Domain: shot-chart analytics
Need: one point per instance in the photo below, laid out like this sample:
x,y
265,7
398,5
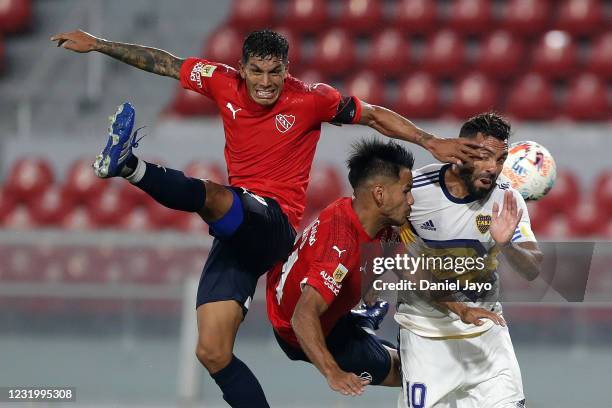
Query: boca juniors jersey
x,y
268,149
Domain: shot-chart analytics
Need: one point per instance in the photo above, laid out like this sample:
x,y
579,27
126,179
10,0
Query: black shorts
x,y
234,264
355,350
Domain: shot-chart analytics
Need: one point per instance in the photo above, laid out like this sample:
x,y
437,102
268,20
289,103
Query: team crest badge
x,y
284,122
207,70
483,222
340,273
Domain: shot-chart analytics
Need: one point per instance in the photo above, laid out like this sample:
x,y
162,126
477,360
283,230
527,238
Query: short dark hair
x,y
489,123
265,44
372,157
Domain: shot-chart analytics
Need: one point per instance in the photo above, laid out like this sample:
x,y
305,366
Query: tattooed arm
x,y
146,58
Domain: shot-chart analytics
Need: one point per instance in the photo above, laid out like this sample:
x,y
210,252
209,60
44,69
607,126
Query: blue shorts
x,y
235,263
355,350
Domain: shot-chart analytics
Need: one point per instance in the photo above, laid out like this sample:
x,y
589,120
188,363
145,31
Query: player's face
x,y
480,176
264,78
398,199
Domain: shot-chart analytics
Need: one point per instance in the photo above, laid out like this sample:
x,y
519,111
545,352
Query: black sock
x,y
172,188
239,386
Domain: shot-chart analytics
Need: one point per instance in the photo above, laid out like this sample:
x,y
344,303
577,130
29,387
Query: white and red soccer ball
x,y
531,169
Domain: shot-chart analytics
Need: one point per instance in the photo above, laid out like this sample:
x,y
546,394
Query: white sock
x,y
138,174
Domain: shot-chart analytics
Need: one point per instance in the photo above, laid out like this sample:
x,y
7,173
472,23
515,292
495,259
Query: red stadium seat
x,y
603,192
564,195
474,94
389,49
471,16
19,218
22,264
335,53
81,218
7,204
311,76
600,57
15,15
139,219
82,185
527,17
539,217
555,55
110,208
224,45
418,96
586,220
307,15
531,98
190,103
501,55
248,15
366,86
361,16
51,207
191,223
581,17
206,171
28,178
325,186
587,99
444,54
415,16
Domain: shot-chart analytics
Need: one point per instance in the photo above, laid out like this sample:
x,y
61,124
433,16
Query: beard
x,y
468,178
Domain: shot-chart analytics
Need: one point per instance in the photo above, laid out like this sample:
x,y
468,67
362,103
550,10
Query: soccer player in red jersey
x,y
272,123
311,295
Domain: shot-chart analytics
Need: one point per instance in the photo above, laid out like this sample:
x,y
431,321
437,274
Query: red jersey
x,y
327,257
268,150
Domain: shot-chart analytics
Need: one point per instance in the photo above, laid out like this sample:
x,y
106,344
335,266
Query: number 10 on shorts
x,y
415,395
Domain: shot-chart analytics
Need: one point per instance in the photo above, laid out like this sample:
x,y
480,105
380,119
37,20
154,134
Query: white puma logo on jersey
x,y
339,251
234,111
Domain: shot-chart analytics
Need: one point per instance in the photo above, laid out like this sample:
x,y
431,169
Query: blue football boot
x,y
120,142
370,317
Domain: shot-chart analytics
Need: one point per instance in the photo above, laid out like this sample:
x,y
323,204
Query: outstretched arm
x,y
306,324
394,125
146,58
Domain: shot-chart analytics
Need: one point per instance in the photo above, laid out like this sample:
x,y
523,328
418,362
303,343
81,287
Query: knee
x,y
213,357
218,201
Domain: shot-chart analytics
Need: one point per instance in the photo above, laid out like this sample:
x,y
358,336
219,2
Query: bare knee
x,y
213,356
218,201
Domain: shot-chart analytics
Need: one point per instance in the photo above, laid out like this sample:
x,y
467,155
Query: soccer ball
x,y
531,169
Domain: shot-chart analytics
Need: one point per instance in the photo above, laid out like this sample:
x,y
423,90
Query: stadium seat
x,y
585,220
587,99
190,223
7,204
224,45
139,219
526,17
603,192
82,185
600,57
81,218
311,76
501,54
366,86
415,16
28,178
22,264
206,171
51,207
15,15
539,218
531,98
471,16
308,16
190,103
325,186
19,218
335,53
361,16
475,93
295,51
132,195
389,49
248,15
555,55
444,54
564,195
418,96
110,209
157,216
580,17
